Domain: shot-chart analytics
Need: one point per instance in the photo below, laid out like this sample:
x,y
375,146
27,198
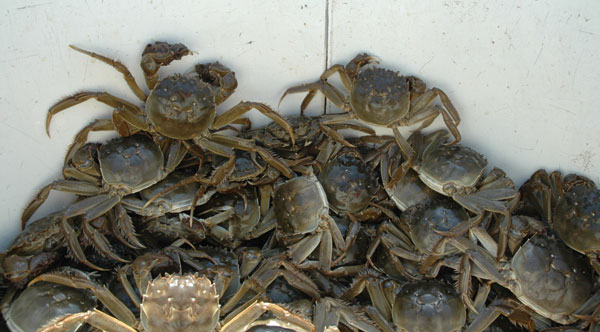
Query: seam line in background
x,y
328,19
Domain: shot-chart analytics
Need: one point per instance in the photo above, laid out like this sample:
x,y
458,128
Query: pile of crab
x,y
178,226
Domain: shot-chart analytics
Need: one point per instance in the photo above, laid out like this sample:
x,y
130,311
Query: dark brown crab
x,y
543,274
303,222
571,206
124,165
381,97
458,171
43,242
179,107
426,305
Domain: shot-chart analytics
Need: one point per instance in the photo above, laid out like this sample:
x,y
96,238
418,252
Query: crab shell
x,y
380,96
440,214
42,302
300,204
550,278
452,169
130,164
428,306
348,182
182,303
180,107
577,218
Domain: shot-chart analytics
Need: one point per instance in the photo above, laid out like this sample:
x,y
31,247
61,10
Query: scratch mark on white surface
x,y
585,160
425,64
19,58
467,12
33,6
539,54
588,32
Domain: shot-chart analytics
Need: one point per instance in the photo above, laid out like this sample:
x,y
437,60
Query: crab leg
x,y
240,109
72,186
271,269
421,110
80,139
100,242
75,249
245,319
121,68
329,311
129,110
247,145
94,317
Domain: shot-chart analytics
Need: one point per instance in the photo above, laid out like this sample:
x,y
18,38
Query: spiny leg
x,y
240,109
100,242
72,186
129,110
244,320
94,317
248,145
121,68
422,111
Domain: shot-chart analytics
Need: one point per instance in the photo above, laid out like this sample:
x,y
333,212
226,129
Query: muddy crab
x,y
571,207
381,97
179,107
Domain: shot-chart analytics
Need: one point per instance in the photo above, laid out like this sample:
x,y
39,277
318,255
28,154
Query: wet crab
x,y
418,238
179,107
42,302
381,97
43,241
427,305
543,274
301,210
458,172
571,206
126,164
186,302
407,192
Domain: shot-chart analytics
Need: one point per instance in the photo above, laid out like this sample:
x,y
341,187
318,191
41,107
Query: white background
x,y
522,74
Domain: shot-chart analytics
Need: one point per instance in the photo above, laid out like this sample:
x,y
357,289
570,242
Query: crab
x,y
243,223
571,207
179,199
169,302
381,97
127,165
458,172
407,192
426,305
420,239
43,302
544,274
187,302
41,244
179,107
303,223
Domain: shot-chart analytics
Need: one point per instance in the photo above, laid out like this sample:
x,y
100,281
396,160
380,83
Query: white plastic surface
x,y
523,75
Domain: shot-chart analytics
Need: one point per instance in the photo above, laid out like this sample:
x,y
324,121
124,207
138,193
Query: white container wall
x,y
523,75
